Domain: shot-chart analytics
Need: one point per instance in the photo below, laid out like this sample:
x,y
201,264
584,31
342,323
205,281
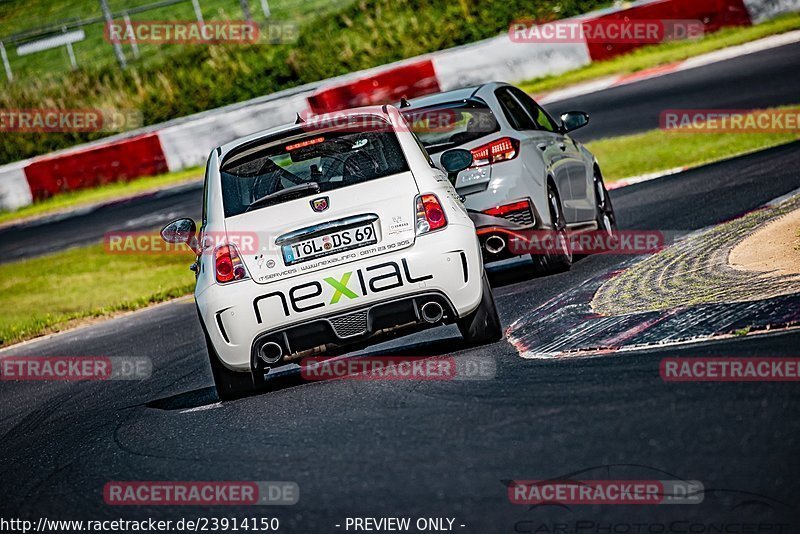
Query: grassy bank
x,y
53,292
663,54
363,34
660,150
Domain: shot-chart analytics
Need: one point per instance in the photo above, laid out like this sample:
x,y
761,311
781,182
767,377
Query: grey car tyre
x,y
559,259
606,219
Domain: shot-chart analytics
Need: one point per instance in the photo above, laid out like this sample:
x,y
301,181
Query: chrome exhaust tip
x,y
494,244
270,352
432,312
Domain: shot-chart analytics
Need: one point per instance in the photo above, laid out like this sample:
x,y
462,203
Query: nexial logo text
x,y
350,285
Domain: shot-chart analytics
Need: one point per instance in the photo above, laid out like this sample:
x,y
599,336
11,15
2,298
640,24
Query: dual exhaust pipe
x,y
271,353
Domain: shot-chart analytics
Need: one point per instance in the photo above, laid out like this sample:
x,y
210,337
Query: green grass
x,y
52,292
107,192
663,54
356,35
17,16
660,150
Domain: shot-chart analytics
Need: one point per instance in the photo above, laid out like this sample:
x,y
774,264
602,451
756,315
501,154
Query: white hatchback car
x,y
322,235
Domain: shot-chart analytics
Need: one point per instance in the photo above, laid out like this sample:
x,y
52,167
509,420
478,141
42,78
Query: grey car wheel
x,y
559,258
606,220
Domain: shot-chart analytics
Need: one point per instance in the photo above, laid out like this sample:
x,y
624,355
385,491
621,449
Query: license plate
x,y
327,244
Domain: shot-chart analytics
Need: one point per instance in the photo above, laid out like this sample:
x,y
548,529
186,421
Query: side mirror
x,y
454,161
572,120
181,231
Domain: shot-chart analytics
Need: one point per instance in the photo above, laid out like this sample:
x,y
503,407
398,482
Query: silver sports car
x,y
527,172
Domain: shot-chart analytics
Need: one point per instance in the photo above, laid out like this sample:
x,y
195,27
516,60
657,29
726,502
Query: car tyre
x,y
606,219
229,384
560,259
482,326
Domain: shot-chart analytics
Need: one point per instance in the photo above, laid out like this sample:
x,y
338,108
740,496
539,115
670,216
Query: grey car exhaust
x,y
494,244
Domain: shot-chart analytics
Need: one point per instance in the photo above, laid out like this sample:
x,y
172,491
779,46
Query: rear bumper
x,y
306,308
496,233
359,326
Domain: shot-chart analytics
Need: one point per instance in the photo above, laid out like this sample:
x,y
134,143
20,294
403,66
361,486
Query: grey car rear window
x,y
451,124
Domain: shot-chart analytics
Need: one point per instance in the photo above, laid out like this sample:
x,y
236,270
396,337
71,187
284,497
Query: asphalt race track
x,y
430,448
762,79
755,81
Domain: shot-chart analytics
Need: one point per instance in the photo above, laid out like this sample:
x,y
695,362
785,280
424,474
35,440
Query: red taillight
x,y
502,149
430,214
505,209
228,264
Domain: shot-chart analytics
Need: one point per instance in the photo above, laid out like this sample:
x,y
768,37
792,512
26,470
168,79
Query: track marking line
x,y
203,408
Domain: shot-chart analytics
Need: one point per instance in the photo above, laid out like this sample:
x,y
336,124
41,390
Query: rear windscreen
x,y
452,124
315,161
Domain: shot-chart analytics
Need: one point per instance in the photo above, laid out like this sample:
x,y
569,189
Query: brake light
x,y
302,144
228,264
430,214
505,209
502,149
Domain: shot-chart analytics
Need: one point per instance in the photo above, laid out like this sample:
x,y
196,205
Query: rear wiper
x,y
266,199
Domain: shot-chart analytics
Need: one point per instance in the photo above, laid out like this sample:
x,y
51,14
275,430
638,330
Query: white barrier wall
x,y
14,189
500,59
761,10
188,144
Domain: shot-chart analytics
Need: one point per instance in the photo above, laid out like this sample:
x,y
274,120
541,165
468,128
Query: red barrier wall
x,y
112,162
409,80
715,14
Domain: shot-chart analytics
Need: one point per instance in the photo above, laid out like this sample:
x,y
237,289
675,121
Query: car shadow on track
x,y
292,377
515,271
